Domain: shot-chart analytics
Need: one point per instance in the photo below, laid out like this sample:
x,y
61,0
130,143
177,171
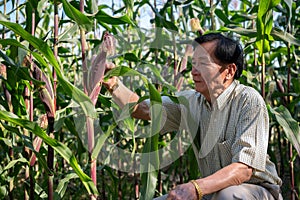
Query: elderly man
x,y
231,139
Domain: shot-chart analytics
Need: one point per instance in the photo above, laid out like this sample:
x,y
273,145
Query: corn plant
x,y
47,50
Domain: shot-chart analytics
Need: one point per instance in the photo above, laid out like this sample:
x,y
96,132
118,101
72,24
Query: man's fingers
x,y
109,65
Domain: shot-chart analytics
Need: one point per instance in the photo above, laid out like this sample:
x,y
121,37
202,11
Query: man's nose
x,y
195,71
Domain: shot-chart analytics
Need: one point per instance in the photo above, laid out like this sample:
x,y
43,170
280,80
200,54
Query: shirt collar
x,y
222,100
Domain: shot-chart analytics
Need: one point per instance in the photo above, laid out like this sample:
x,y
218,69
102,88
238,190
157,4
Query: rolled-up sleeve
x,y
171,115
250,146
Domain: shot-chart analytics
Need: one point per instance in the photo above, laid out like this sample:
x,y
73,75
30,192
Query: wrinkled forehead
x,y
205,51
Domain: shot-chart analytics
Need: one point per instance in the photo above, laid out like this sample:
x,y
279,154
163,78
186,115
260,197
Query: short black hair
x,y
227,50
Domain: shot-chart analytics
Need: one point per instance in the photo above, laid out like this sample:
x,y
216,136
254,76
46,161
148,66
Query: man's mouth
x,y
197,81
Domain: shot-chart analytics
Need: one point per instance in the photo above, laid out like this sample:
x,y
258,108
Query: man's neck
x,y
214,93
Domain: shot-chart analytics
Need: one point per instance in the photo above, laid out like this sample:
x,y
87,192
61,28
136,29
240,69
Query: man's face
x,y
207,75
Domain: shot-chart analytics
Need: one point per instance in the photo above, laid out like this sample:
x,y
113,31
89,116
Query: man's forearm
x,y
122,96
233,174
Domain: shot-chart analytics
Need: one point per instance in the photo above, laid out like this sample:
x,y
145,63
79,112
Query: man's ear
x,y
231,69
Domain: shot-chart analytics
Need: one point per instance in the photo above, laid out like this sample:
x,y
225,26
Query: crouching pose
x,y
231,139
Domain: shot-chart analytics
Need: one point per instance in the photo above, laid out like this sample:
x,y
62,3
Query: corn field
x,y
63,137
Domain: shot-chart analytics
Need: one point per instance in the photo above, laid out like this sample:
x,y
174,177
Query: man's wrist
x,y
114,86
198,189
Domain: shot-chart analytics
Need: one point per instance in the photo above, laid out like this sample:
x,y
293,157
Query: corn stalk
x,y
291,162
89,120
29,107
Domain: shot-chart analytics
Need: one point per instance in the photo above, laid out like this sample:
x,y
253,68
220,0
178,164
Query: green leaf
x,y
32,15
83,100
125,71
100,141
40,191
74,14
289,125
102,17
3,191
150,156
169,25
92,6
222,16
59,147
289,4
131,57
19,71
240,17
263,46
40,7
6,141
13,162
265,6
285,36
62,186
296,84
264,23
69,32
269,23
251,33
16,43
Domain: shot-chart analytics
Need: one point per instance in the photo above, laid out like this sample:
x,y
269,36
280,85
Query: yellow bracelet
x,y
199,192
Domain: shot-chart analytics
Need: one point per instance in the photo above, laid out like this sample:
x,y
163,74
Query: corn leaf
x,y
289,125
74,14
59,147
264,24
150,156
241,31
21,72
102,17
220,13
285,36
62,186
100,141
289,4
83,100
13,162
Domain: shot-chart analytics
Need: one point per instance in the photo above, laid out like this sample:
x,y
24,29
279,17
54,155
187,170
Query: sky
x,y
145,12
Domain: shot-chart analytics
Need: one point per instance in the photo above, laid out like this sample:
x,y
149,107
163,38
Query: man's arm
x,y
233,174
122,96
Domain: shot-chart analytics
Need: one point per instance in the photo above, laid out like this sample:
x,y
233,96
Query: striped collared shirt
x,y
235,128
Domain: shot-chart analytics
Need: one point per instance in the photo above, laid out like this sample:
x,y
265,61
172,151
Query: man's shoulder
x,y
249,94
188,97
188,94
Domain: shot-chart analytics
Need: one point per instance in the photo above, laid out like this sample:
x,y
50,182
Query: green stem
x,y
292,175
11,183
174,47
212,27
263,75
4,13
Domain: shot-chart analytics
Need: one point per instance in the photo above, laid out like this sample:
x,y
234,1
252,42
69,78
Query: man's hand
x,y
112,81
184,191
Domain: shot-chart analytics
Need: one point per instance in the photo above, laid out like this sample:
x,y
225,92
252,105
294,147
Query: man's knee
x,y
227,193
244,191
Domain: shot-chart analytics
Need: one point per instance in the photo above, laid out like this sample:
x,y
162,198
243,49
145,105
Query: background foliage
x,y
43,46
